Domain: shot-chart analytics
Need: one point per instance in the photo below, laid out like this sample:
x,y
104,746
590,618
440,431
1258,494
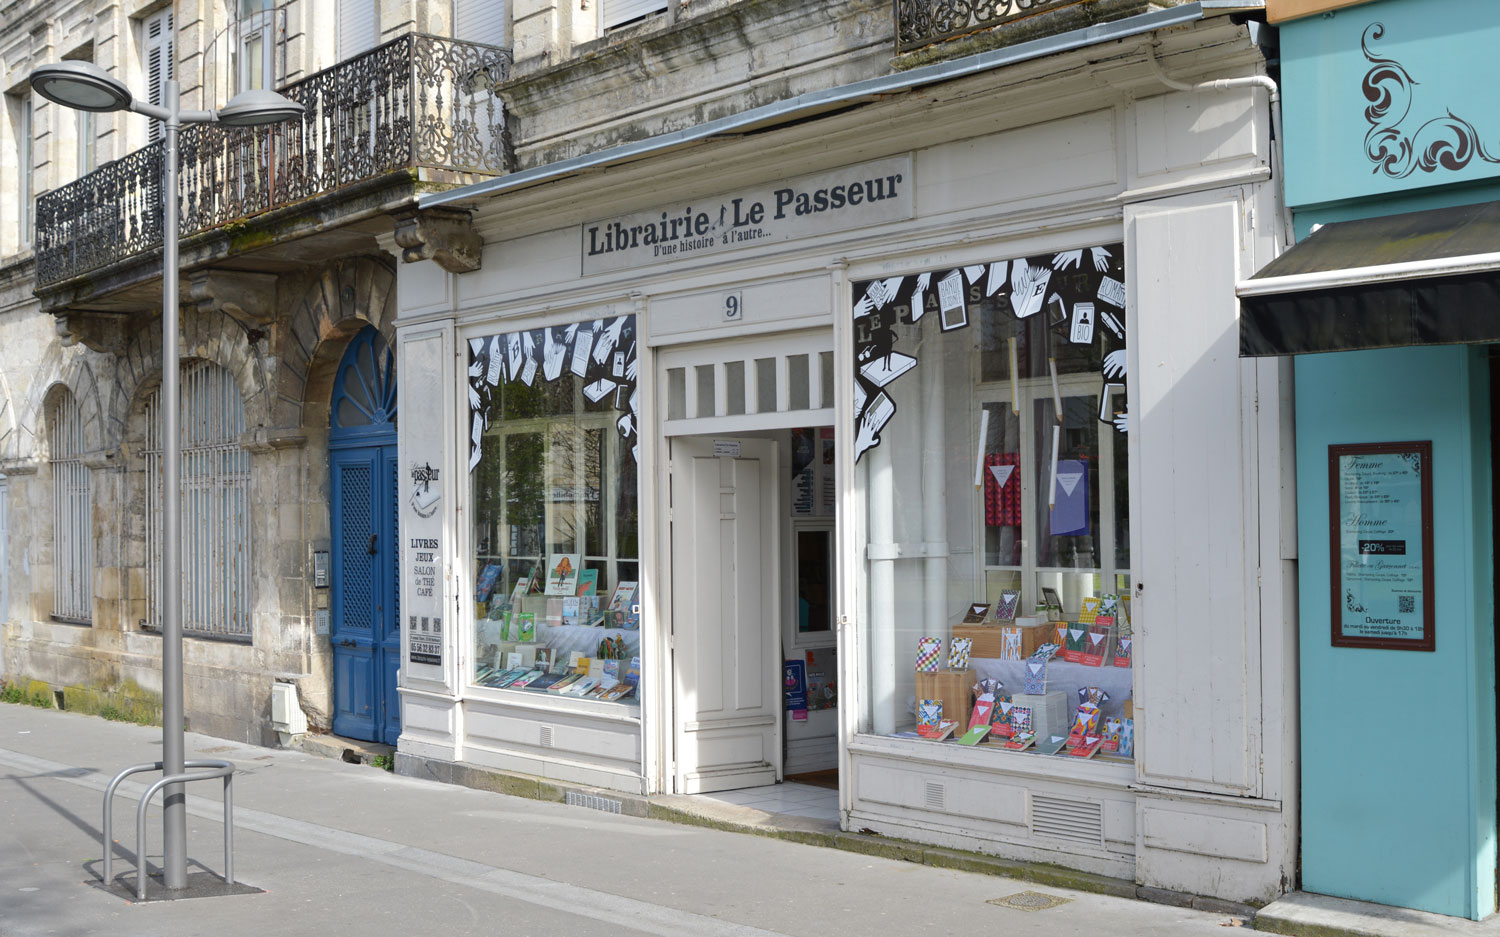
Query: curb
x,y
809,833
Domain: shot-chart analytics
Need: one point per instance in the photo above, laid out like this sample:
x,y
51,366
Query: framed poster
x,y
1380,550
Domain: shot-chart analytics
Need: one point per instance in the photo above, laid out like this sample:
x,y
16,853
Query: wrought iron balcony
x,y
417,102
923,22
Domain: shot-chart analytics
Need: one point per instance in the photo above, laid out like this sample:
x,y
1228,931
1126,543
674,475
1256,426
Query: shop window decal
x,y
600,354
1077,295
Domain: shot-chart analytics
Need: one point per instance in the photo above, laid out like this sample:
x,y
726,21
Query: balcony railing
x,y
923,22
416,102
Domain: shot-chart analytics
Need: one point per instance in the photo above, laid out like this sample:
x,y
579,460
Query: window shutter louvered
x,y
356,27
618,12
160,68
481,21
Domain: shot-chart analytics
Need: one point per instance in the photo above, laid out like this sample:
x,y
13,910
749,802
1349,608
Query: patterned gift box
x,y
930,713
1020,720
1112,730
958,653
1085,722
1010,642
1077,643
929,654
1036,675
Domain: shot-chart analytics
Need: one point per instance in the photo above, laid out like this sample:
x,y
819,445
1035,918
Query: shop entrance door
x,y
725,614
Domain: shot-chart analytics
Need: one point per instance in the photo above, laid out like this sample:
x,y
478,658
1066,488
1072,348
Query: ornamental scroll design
x,y
920,22
416,101
1446,142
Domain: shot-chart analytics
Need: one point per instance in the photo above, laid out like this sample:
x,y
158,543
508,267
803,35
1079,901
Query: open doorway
x,y
809,640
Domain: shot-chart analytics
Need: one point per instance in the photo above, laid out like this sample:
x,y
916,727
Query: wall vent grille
x,y
1076,821
546,736
605,804
937,796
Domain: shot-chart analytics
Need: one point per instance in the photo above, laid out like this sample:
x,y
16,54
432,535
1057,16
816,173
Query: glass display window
x,y
991,429
556,516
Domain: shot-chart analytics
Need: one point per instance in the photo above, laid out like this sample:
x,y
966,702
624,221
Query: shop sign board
x,y
421,480
876,192
1375,107
1380,520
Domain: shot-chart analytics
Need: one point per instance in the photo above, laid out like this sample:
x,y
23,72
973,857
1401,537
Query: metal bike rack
x,y
221,769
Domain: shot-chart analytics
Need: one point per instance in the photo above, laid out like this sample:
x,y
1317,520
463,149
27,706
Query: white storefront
x,y
816,390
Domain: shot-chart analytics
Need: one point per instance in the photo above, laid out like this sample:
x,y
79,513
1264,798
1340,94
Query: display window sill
x,y
1112,774
626,712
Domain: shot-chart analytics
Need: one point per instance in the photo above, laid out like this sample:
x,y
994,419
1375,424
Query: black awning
x,y
1423,278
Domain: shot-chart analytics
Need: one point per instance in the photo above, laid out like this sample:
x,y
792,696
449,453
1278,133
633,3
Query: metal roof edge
x,y
1362,276
828,98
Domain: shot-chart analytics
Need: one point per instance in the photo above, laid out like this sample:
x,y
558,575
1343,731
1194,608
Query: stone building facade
x,y
289,251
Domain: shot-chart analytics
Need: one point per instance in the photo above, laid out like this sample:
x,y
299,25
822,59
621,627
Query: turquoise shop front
x,y
1390,302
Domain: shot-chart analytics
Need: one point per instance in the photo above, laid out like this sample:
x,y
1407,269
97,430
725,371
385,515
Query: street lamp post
x,y
87,87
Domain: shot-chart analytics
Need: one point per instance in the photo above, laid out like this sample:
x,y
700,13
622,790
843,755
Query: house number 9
x,y
734,307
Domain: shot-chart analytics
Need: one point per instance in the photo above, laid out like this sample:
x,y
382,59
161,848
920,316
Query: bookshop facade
x,y
788,465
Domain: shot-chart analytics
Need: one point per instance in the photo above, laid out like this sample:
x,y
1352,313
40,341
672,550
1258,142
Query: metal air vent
x,y
936,798
1076,821
592,802
546,740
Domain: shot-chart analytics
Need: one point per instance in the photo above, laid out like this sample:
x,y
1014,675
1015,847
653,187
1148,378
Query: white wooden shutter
x,y
1193,499
159,49
481,21
616,12
356,27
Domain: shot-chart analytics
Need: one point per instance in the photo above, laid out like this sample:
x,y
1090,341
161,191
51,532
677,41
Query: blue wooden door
x,y
365,611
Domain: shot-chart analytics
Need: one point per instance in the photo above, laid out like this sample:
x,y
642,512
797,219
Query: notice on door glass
x,y
1382,538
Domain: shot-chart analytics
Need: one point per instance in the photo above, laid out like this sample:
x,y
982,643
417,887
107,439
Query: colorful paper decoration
x,y
1092,694
929,654
1010,643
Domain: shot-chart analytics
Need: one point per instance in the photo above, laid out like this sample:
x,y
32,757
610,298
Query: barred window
x,y
215,505
72,513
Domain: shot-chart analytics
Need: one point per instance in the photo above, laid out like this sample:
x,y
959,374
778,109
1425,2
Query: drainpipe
x,y
1227,84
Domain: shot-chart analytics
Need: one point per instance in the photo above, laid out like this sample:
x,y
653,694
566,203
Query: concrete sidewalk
x,y
343,848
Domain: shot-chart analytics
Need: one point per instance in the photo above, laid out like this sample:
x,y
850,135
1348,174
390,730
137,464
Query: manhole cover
x,y
1029,901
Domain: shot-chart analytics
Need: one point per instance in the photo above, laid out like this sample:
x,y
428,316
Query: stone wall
x,y
285,375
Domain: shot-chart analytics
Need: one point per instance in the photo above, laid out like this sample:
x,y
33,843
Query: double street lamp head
x,y
85,86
